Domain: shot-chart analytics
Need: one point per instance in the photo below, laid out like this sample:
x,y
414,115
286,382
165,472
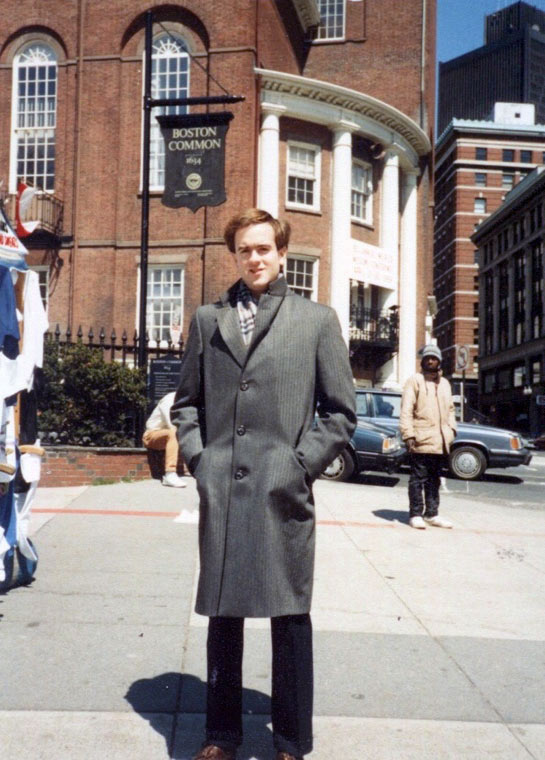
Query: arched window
x,y
34,116
169,79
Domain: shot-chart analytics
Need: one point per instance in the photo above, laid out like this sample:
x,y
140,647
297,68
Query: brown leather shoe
x,y
211,752
286,756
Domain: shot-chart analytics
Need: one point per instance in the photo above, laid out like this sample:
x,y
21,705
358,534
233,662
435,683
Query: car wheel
x,y
341,468
467,462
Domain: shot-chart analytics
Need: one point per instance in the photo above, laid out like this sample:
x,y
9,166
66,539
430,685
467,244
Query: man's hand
x,y
411,443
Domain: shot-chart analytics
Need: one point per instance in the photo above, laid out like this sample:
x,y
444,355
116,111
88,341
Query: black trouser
x,y
292,683
425,474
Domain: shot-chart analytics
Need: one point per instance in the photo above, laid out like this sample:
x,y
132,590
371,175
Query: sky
x,y
460,24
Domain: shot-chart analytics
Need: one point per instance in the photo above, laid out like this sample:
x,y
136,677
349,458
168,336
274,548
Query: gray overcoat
x,y
245,426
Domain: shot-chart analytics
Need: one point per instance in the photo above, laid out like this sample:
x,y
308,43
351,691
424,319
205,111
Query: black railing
x,y
377,329
119,349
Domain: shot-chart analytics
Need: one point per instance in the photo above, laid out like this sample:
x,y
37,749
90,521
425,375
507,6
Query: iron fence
x,y
121,349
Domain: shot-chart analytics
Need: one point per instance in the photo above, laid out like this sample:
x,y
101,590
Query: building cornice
x,y
327,103
307,12
492,128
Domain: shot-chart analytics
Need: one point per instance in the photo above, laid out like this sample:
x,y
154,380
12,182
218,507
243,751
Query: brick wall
x,y
77,466
98,282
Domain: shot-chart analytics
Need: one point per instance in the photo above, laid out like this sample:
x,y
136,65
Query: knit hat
x,y
431,350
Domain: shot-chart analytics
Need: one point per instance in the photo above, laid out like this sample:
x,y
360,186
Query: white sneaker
x,y
438,522
172,479
417,522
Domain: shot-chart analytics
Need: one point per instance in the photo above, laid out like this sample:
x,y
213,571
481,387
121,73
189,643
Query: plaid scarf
x,y
247,309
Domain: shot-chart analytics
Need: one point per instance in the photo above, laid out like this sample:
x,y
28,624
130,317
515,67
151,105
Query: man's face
x,y
430,363
257,258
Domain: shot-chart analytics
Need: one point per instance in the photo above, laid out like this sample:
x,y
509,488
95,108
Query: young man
x,y
257,362
428,427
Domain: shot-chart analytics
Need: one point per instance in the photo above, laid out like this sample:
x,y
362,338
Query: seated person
x,y
160,434
384,409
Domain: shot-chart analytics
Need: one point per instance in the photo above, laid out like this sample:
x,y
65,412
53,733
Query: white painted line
x,y
187,516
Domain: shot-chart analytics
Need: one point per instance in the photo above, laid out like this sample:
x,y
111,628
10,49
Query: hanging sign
x,y
373,265
12,251
462,358
194,159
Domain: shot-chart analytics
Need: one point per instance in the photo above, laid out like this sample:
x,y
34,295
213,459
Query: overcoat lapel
x,y
229,327
266,312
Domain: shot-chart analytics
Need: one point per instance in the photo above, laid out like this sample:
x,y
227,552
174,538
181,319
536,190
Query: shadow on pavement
x,y
487,477
511,480
172,694
392,515
369,479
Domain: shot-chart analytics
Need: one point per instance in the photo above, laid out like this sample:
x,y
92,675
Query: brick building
x,y
509,67
476,164
334,134
511,246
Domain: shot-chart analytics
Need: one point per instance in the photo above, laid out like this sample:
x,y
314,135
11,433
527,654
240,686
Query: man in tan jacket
x,y
428,427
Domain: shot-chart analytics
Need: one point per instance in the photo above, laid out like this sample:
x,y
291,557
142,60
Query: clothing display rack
x,y
23,322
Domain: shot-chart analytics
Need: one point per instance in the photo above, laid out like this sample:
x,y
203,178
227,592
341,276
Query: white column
x,y
389,242
408,279
269,158
341,245
389,217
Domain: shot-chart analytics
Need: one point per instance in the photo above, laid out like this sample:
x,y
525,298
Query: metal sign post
x,y
462,396
144,228
462,360
148,104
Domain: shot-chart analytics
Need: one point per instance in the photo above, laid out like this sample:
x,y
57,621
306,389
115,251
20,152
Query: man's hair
x,y
257,216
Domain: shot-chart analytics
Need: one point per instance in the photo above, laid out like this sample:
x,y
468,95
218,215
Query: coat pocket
x,y
289,493
424,435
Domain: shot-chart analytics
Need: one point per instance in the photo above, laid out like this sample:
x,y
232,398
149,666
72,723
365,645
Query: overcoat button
x,y
239,474
244,386
241,430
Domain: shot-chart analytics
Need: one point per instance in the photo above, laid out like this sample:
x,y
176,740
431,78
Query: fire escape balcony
x,y
372,330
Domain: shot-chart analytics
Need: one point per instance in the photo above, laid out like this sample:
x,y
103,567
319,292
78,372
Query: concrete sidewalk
x,y
428,644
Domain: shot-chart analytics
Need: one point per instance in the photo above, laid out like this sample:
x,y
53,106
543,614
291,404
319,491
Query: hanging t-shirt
x,y
18,375
35,324
9,328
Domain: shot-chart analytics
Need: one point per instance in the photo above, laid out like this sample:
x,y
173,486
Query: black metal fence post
x,y
144,239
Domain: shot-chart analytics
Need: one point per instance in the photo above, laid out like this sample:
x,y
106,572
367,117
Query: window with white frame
x,y
479,205
164,306
34,111
303,176
169,79
332,18
301,276
362,192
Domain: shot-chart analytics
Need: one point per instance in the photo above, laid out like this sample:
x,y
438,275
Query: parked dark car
x,y
372,447
475,448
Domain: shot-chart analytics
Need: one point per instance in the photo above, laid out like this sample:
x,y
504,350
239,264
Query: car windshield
x,y
387,405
